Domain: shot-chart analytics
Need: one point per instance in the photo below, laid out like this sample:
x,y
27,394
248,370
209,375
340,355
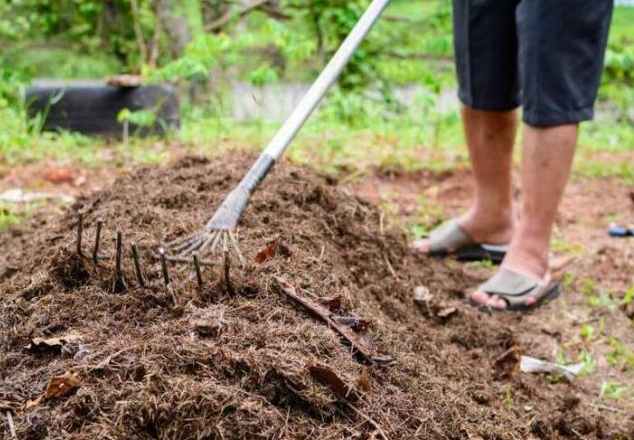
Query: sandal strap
x,y
515,288
449,237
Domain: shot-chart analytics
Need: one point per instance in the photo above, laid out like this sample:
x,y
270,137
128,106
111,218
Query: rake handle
x,y
227,216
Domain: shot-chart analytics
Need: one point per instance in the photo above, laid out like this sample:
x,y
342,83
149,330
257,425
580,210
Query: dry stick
x,y
137,265
95,251
80,232
199,277
119,254
11,426
166,277
226,263
321,313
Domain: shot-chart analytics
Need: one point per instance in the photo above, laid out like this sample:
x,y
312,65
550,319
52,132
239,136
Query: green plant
x,y
620,354
612,390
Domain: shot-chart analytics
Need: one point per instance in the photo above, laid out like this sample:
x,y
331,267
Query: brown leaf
x,y
60,386
507,365
329,378
266,253
59,175
364,381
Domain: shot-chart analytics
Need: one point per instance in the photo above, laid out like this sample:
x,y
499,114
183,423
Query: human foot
x,y
526,258
495,230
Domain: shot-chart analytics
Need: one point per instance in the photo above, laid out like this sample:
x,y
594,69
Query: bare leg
x,y
490,138
546,161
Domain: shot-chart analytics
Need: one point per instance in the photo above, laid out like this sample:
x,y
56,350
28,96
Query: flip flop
x,y
515,288
451,239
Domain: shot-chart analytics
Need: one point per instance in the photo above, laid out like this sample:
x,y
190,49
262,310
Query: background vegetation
x,y
206,47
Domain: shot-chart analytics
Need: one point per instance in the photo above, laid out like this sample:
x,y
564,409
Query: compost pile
x,y
83,356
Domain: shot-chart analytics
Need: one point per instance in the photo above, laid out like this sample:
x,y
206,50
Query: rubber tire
x,y
93,108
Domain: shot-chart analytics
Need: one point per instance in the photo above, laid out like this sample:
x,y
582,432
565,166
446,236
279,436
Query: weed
x,y
594,298
587,332
612,390
8,218
621,355
588,361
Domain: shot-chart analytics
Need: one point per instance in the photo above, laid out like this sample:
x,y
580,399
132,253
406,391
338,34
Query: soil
x,y
241,361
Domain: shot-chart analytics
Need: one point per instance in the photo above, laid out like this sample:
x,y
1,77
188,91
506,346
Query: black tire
x,y
93,108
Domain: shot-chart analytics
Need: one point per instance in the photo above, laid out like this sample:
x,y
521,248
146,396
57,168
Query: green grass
x,y
622,20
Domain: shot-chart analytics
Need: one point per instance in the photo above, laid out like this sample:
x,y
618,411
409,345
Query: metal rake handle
x,y
227,216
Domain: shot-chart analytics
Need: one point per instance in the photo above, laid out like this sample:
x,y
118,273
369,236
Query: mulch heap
x,y
83,357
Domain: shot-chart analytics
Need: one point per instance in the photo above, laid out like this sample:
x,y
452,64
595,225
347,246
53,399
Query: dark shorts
x,y
545,55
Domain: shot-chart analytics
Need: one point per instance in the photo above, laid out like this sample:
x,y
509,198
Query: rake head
x,y
203,245
217,234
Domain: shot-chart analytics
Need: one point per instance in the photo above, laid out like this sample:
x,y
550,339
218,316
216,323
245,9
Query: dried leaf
x,y
507,365
364,381
60,386
533,365
60,175
330,379
266,253
33,403
55,344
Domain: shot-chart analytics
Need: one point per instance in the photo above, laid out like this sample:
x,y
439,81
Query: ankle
x,y
528,255
489,226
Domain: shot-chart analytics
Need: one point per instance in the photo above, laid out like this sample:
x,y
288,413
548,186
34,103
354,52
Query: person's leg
x,y
490,137
485,47
559,82
546,161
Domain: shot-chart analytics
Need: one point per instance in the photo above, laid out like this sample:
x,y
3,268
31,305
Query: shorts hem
x,y
488,106
546,119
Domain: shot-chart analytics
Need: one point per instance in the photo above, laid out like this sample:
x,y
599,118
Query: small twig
x,y
14,436
389,266
607,408
371,421
321,313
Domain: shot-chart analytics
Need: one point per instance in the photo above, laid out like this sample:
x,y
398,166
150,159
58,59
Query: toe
x,y
496,302
480,297
420,246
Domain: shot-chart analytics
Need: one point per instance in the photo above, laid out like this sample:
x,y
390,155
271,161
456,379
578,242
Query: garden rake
x,y
218,232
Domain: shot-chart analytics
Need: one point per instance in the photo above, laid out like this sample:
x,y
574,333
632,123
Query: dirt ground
x,y
84,357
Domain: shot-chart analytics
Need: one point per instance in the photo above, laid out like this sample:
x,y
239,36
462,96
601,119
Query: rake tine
x,y
202,262
178,241
215,242
80,232
166,277
95,251
199,277
236,249
209,241
195,245
183,244
137,265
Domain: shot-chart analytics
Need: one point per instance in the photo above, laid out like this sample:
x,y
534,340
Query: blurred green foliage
x,y
205,45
